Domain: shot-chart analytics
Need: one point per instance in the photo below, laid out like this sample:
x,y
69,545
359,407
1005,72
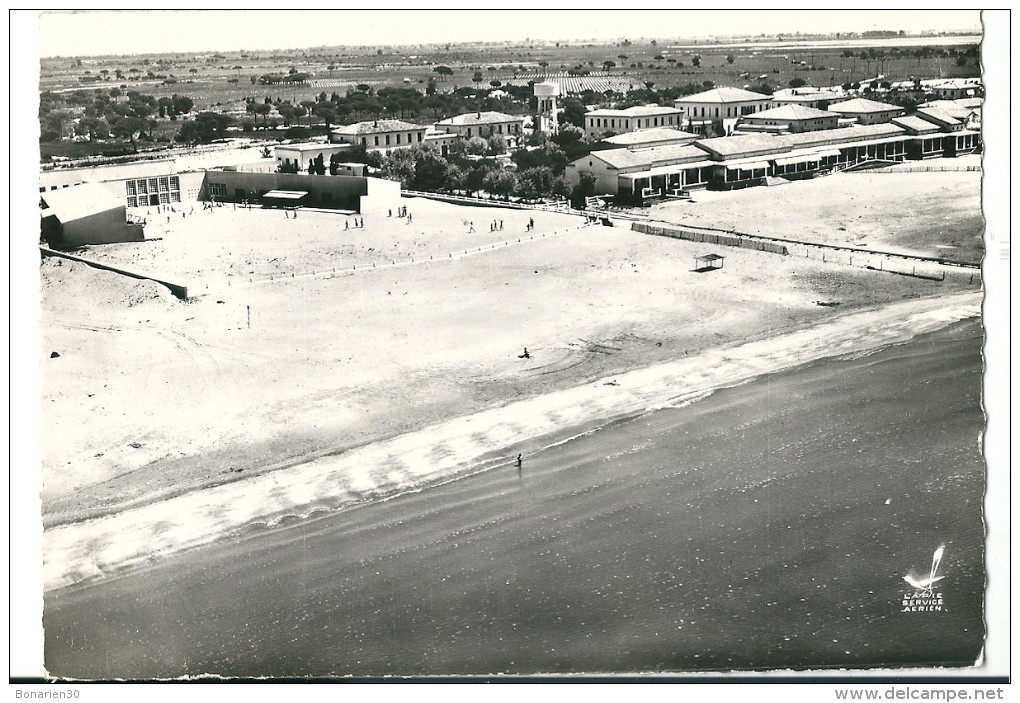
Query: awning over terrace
x,y
666,170
874,142
751,164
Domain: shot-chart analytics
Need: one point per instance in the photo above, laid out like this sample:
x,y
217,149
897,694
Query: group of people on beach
x,y
401,212
357,225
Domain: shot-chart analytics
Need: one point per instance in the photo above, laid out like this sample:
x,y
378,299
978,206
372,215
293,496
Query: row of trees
x,y
472,166
99,114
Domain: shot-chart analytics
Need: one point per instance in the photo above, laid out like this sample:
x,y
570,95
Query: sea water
x,y
768,525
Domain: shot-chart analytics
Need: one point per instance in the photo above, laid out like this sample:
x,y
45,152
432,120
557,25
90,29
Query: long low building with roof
x,y
722,163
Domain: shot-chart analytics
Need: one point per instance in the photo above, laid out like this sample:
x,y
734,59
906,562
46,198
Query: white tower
x,y
546,120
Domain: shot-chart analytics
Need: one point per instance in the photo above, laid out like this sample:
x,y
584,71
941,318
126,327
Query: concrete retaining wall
x,y
175,288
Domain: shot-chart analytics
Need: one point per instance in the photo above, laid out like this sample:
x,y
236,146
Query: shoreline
x,y
83,551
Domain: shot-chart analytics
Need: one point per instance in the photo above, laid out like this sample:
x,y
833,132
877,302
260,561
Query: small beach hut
x,y
706,262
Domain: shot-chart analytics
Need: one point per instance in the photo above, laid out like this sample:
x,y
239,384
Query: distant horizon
x,y
69,34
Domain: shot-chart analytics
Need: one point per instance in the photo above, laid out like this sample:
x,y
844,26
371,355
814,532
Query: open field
x,y
150,397
224,82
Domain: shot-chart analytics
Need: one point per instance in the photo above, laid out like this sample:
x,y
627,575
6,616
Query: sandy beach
x,y
349,382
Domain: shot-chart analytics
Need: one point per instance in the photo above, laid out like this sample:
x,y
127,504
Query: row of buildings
x,y
646,164
727,111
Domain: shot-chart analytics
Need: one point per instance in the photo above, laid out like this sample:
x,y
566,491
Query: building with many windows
x,y
380,135
789,118
605,121
864,111
482,124
716,111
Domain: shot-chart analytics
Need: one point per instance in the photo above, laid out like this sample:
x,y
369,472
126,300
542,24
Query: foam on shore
x,y
81,551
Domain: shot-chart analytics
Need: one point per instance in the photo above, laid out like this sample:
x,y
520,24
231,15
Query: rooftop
x,y
636,111
859,106
377,127
915,124
646,158
744,145
79,201
724,95
310,146
937,115
655,134
791,112
473,118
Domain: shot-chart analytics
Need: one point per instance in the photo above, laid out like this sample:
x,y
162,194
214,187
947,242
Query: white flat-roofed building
x,y
296,157
380,135
440,140
598,123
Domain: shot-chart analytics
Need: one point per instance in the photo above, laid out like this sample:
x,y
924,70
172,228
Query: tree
x,y
430,169
500,182
131,128
476,146
204,128
797,82
326,112
573,112
95,127
443,72
695,61
585,188
608,65
257,109
730,58
182,104
400,165
496,144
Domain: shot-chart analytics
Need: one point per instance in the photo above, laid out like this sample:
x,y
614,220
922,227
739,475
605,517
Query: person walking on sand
x,y
471,226
347,225
519,461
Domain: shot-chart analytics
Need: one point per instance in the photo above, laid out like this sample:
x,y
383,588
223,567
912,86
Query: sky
x,y
85,33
